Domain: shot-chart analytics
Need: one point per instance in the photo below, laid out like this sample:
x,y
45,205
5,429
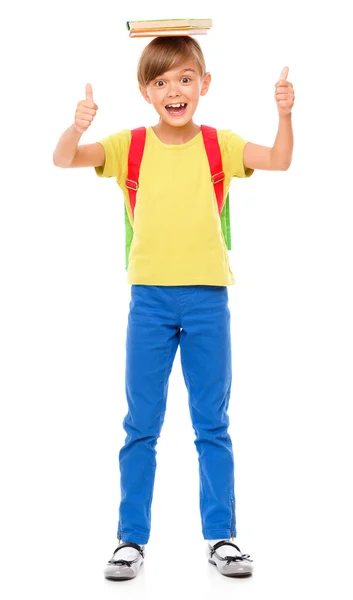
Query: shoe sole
x,y
111,578
230,574
120,578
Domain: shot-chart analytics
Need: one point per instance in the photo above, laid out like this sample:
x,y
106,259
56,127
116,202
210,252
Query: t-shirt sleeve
x,y
232,148
116,148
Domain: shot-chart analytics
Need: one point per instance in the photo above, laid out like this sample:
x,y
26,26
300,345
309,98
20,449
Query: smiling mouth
x,y
176,108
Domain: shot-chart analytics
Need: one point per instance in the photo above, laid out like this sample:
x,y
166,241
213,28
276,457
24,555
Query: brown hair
x,y
166,52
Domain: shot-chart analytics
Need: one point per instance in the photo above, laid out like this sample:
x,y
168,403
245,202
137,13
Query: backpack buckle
x,y
217,177
134,186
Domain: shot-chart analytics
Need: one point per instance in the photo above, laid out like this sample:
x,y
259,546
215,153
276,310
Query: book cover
x,y
167,32
159,23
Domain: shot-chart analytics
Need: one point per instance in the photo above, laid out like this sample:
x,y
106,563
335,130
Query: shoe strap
x,y
229,559
130,545
223,543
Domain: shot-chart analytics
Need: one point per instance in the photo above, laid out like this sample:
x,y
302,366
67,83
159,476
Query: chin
x,y
180,124
178,121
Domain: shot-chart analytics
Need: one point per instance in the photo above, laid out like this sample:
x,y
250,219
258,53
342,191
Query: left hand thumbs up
x,y
284,94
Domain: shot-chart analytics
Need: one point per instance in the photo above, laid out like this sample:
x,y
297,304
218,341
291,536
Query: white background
x,y
64,304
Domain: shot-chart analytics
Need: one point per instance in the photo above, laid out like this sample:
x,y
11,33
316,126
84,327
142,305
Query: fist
x,y
284,94
85,111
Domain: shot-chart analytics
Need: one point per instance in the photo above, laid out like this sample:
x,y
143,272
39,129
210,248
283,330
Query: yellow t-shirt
x,y
177,233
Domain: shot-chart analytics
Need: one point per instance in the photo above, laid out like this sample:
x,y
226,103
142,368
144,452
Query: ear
x,y
144,93
205,84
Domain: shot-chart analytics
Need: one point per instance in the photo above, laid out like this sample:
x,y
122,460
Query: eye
x,y
188,78
158,82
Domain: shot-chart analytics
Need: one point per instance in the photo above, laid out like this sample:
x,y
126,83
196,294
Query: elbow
x,y
287,163
280,162
283,166
286,166
56,161
59,163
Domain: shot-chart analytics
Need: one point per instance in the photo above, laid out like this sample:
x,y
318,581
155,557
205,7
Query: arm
x,y
279,157
67,153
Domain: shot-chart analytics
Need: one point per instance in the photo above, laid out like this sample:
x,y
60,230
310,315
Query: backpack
x,y
137,144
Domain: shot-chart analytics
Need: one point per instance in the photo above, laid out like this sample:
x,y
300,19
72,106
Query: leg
x,y
205,349
151,345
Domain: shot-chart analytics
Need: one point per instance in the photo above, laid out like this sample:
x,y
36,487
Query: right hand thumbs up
x,y
85,111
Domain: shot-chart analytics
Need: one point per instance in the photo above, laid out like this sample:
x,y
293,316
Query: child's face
x,y
183,85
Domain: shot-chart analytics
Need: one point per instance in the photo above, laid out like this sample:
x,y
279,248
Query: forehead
x,y
184,68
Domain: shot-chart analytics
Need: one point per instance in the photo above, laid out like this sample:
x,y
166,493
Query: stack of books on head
x,y
168,27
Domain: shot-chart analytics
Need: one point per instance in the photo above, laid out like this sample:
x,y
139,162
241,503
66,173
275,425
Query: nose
x,y
174,90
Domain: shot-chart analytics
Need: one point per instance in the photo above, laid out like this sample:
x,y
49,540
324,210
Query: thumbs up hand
x,y
85,111
284,94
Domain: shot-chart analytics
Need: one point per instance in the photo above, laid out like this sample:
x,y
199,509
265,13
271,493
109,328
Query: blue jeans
x,y
198,318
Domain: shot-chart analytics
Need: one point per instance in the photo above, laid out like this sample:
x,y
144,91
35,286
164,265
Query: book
x,y
167,32
170,23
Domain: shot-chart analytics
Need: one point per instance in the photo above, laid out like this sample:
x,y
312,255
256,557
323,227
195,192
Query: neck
x,y
175,135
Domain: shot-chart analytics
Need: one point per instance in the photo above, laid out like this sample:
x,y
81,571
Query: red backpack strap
x,y
137,145
215,161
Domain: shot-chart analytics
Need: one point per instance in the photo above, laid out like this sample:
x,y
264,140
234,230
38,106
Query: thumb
x,y
89,92
284,73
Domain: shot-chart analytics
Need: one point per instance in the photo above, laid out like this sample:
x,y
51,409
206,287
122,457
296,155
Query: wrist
x,y
75,129
285,117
